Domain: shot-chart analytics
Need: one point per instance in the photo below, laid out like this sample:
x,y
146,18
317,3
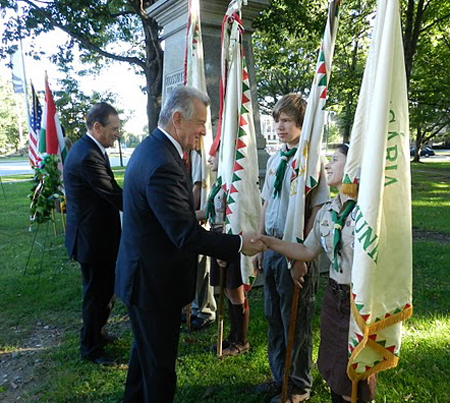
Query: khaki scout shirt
x,y
275,219
321,237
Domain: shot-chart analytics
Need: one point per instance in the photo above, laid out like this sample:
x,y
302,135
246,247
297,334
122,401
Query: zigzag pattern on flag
x,y
194,76
238,162
307,160
241,139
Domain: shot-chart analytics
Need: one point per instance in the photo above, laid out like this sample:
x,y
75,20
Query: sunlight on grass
x,y
50,293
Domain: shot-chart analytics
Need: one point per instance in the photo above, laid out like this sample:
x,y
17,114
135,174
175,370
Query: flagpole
x,y
25,87
3,189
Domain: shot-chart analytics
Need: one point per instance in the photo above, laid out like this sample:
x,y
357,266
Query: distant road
x,y
23,167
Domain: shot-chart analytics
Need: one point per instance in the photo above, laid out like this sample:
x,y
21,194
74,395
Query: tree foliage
x,y
72,105
430,87
9,126
100,31
286,57
287,28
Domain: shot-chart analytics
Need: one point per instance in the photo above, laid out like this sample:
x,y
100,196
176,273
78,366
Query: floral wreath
x,y
46,189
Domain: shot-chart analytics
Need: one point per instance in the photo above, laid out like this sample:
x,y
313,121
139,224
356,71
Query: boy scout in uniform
x,y
279,280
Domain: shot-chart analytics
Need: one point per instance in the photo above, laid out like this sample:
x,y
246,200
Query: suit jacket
x,y
93,202
161,236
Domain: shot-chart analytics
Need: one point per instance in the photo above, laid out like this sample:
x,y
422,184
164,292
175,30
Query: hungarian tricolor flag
x,y
378,161
51,139
307,160
238,163
194,76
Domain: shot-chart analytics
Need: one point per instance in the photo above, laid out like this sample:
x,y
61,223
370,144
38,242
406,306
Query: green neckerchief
x,y
210,208
339,222
281,170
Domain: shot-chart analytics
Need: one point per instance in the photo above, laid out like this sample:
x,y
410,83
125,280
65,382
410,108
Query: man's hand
x,y
257,262
299,269
251,247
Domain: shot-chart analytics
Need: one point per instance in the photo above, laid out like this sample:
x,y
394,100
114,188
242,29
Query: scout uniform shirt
x,y
321,237
276,213
219,209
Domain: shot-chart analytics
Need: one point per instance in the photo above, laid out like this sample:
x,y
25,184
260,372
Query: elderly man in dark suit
x,y
161,239
93,224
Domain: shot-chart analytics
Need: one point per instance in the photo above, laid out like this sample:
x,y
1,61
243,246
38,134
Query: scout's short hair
x,y
292,105
99,113
343,148
181,100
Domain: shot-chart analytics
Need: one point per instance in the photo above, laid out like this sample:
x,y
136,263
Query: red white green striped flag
x,y
378,160
307,160
194,76
51,139
238,158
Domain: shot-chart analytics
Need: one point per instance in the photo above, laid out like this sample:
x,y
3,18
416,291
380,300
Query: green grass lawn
x,y
44,298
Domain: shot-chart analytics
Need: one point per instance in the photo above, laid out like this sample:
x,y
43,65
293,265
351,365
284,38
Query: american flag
x,y
35,127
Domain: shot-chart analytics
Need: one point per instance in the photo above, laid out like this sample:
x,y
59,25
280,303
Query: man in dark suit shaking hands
x,y
161,238
93,224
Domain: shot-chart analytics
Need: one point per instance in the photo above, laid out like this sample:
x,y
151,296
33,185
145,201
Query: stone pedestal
x,y
172,16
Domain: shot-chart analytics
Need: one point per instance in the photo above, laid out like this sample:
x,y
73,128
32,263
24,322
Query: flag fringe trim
x,y
350,189
390,359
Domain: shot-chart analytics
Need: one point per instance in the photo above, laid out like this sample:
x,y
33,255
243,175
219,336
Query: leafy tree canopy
x,y
99,30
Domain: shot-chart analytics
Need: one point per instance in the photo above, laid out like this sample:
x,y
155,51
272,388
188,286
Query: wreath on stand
x,y
46,190
45,193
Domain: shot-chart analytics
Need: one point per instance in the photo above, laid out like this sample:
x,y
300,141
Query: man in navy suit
x,y
93,224
156,267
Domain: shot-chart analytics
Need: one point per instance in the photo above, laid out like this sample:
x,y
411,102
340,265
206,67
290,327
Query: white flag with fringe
x,y
238,163
378,162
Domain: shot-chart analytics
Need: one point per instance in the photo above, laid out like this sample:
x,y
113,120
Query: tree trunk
x,y
418,144
349,113
411,34
153,72
153,62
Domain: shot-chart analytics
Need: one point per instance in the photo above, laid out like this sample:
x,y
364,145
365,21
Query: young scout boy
x,y
279,283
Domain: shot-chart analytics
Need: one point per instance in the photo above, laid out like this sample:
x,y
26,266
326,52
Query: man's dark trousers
x,y
151,374
98,291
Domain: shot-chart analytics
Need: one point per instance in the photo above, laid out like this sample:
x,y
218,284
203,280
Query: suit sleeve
x,y
169,198
102,182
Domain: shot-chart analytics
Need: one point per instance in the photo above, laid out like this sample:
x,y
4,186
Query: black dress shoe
x,y
108,339
103,360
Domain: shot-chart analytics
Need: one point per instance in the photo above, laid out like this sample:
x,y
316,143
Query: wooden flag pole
x,y
220,321
290,343
188,317
54,221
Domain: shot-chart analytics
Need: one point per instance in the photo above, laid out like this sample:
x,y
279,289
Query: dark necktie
x,y
107,160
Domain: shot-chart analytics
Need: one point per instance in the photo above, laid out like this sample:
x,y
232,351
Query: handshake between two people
x,y
253,244
297,253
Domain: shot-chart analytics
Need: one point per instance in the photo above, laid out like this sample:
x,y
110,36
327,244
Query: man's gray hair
x,y
181,100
